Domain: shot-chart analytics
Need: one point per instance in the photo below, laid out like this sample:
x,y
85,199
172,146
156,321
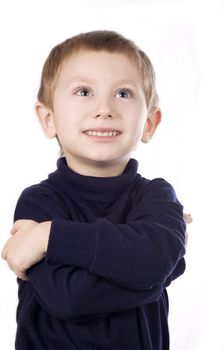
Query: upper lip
x,y
102,129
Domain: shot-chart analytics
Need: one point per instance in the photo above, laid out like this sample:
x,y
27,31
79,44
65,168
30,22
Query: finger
x,y
187,218
11,264
3,254
13,230
21,274
18,224
5,250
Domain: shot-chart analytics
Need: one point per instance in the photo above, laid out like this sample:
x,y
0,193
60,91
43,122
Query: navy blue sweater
x,y
115,244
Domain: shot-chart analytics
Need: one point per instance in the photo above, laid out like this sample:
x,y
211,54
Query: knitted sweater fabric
x,y
115,245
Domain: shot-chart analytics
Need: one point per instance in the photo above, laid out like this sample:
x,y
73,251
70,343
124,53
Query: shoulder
x,y
154,189
36,195
39,202
151,198
41,190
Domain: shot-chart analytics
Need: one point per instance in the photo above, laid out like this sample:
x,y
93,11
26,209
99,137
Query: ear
x,y
151,125
46,119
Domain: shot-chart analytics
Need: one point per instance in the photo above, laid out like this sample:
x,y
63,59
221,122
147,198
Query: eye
x,y
83,91
123,93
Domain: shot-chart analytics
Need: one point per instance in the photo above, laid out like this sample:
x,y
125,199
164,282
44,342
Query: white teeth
x,y
101,133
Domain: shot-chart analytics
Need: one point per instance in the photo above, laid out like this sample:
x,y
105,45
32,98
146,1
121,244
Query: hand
x,y
188,219
27,246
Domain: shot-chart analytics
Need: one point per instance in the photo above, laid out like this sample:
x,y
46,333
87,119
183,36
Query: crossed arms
x,y
133,261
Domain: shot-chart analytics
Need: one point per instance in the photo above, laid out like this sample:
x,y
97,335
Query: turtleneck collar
x,y
100,189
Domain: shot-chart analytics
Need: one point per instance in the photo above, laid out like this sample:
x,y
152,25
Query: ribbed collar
x,y
100,189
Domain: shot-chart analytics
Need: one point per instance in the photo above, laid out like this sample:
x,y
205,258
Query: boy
x,y
95,245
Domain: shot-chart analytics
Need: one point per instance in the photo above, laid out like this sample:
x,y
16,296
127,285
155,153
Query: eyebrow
x,y
88,80
80,79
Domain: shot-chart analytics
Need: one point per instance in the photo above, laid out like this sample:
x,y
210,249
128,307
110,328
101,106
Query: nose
x,y
104,108
104,115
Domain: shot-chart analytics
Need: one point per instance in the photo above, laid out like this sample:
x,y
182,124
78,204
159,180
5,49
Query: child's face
x,y
99,109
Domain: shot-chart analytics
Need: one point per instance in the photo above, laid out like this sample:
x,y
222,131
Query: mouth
x,y
102,132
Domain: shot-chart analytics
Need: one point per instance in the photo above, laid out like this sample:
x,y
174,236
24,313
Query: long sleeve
x,y
139,254
70,293
73,292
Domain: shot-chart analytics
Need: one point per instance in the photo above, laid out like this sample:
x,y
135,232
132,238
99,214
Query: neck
x,y
97,168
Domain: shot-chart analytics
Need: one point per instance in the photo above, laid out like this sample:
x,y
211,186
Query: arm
x,y
66,292
138,254
151,242
70,293
81,292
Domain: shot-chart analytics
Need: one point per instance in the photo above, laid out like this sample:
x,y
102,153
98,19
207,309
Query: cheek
x,y
136,120
66,118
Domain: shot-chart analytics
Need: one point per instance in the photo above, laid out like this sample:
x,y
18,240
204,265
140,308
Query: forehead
x,y
96,65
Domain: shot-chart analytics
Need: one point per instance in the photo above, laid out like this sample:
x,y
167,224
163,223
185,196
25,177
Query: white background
x,y
184,40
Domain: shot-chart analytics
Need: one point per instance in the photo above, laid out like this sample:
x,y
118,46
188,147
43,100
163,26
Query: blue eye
x,y
83,91
123,93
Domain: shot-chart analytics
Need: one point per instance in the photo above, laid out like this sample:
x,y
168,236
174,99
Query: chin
x,y
104,161
102,158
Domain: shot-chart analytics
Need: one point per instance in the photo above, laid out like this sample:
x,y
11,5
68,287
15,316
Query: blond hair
x,y
105,40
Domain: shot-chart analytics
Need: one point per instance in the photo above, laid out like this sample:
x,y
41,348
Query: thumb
x,y
16,226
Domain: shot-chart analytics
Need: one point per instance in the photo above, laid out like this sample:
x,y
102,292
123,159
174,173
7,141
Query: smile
x,y
102,133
